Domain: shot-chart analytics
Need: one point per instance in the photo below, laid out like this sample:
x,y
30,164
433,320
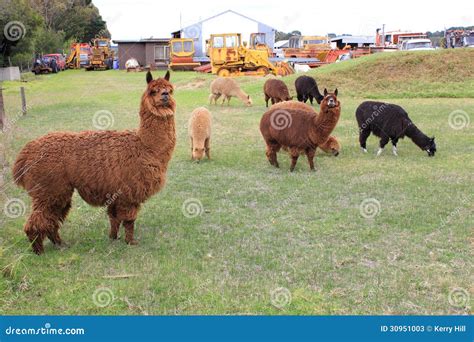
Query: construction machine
x,y
78,56
229,57
102,57
308,47
181,54
258,41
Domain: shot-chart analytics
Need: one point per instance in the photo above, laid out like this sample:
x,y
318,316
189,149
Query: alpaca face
x,y
198,153
431,148
330,99
159,95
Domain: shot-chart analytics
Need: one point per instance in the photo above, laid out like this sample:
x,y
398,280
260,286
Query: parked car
x,y
417,45
45,65
60,60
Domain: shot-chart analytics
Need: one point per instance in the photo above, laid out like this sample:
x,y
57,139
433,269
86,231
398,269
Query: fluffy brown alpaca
x,y
120,170
288,125
199,131
276,91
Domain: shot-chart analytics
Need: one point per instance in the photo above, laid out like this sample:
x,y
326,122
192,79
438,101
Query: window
x,y
218,42
177,47
188,46
230,41
161,52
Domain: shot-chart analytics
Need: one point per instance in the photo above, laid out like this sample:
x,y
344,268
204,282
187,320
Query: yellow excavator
x,y
230,57
182,53
102,57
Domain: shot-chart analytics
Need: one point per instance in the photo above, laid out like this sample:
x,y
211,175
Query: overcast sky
x,y
132,19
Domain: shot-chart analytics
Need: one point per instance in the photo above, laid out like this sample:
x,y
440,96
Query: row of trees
x,y
45,26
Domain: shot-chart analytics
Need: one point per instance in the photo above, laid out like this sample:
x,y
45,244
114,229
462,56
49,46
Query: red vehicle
x,y
60,60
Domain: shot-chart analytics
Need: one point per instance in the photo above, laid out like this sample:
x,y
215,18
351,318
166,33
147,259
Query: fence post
x,y
23,100
2,110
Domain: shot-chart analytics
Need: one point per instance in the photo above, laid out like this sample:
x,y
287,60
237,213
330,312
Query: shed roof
x,y
355,39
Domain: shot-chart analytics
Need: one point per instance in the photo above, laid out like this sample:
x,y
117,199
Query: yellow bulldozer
x,y
230,57
102,57
181,54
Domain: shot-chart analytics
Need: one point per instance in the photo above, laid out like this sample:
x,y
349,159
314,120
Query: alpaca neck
x,y
323,124
417,136
157,133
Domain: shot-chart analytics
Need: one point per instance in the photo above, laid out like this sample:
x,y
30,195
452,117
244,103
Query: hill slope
x,y
440,73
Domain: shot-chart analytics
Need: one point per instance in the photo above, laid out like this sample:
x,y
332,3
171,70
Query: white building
x,y
225,22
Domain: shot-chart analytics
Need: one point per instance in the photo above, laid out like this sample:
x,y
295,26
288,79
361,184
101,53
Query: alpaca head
x,y
334,146
198,153
158,97
431,147
329,100
248,102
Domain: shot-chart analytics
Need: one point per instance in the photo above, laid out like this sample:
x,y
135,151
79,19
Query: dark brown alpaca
x,y
120,170
276,91
297,129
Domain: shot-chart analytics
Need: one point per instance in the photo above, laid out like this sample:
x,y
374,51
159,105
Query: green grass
x,y
261,228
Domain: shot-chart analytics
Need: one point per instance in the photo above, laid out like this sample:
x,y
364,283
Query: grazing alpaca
x,y
286,125
331,145
389,122
227,87
307,89
120,170
276,90
199,130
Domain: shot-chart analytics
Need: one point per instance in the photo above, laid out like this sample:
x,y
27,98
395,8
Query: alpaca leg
x,y
191,147
383,141
300,98
207,146
216,97
310,155
114,222
363,135
273,101
394,147
294,158
223,100
311,99
128,215
266,100
271,153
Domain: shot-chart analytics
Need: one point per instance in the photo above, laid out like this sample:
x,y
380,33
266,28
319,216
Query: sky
x,y
134,19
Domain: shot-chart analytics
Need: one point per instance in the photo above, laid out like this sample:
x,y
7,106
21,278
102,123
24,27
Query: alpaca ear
x,y
167,75
149,77
432,139
335,92
325,91
248,97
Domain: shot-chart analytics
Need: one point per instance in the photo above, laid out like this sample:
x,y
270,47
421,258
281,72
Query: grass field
x,y
266,241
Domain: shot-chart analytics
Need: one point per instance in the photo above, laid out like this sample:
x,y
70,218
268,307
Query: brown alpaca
x,y
276,91
120,170
299,130
331,145
227,87
199,131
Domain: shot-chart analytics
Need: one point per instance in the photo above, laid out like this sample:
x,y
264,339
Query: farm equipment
x,y
78,56
308,47
258,42
102,57
182,53
459,38
45,65
229,57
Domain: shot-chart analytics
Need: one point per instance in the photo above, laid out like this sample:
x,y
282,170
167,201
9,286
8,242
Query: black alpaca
x,y
389,122
307,89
